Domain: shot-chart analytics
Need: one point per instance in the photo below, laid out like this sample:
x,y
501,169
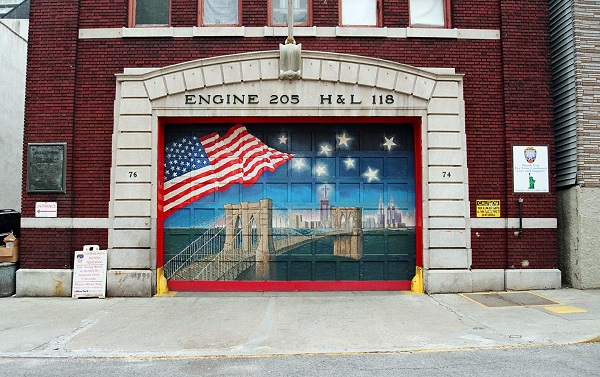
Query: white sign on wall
x,y
89,272
530,169
46,209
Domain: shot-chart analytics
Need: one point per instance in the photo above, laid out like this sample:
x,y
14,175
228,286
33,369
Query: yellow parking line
x,y
564,309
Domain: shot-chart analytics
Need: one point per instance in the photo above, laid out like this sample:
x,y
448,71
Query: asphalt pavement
x,y
294,323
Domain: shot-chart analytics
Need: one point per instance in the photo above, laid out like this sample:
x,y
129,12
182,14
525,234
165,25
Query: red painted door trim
x,y
160,216
259,286
288,286
418,193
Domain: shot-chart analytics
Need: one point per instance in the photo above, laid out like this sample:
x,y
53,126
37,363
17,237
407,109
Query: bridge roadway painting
x,y
289,202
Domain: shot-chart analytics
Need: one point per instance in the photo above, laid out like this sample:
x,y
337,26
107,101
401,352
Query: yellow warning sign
x,y
488,208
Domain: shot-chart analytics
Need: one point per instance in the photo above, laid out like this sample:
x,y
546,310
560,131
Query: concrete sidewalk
x,y
210,324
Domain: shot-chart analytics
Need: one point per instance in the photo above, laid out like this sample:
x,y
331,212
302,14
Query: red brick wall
x,y
528,120
53,248
184,13
491,248
528,112
476,14
506,91
536,246
50,90
102,13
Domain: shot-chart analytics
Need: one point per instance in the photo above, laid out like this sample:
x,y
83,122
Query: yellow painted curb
x,y
162,289
416,284
170,294
593,340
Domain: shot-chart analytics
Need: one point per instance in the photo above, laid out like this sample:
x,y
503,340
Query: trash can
x,y
8,272
10,222
10,231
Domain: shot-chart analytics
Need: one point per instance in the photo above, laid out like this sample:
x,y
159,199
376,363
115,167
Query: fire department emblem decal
x,y
530,154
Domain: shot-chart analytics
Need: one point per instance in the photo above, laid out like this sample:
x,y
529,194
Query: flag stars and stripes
x,y
184,156
214,163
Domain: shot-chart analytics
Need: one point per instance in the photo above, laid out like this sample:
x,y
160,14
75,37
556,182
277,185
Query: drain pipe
x,y
520,216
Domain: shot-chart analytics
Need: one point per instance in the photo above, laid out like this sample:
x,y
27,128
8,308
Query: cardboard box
x,y
10,254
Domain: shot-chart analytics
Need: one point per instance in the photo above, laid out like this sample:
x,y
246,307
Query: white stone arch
x,y
432,95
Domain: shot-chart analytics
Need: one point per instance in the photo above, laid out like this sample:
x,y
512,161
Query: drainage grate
x,y
503,299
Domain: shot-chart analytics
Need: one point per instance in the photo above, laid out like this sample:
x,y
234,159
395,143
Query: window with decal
x,y
360,12
219,12
430,13
150,12
279,12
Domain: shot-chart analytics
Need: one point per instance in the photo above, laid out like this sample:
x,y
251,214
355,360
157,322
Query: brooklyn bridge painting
x,y
289,202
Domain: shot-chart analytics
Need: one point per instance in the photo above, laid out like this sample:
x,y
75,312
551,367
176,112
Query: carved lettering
x,y
284,99
202,99
220,99
253,99
325,98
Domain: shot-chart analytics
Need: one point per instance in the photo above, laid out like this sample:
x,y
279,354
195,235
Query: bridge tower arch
x,y
349,220
253,233
256,230
238,240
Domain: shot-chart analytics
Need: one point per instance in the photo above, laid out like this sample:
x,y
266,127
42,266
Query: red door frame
x,y
287,286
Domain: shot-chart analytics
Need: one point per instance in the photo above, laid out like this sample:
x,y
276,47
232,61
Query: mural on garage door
x,y
289,202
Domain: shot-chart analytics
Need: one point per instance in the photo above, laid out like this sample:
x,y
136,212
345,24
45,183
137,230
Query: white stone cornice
x,y
269,31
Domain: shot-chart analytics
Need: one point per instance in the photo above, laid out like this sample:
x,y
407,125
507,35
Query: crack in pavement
x,y
474,323
59,343
265,330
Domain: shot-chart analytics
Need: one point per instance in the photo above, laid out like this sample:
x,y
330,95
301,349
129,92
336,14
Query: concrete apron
x,y
237,324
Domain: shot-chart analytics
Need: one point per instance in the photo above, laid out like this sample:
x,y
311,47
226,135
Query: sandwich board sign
x,y
89,272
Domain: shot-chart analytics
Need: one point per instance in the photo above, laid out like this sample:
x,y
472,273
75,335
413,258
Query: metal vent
x,y
563,75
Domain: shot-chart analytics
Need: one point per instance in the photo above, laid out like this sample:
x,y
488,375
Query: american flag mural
x,y
195,167
315,175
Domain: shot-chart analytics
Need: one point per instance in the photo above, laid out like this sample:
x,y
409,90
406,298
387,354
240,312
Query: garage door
x,y
288,201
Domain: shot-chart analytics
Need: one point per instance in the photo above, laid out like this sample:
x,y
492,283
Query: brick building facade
x,y
469,90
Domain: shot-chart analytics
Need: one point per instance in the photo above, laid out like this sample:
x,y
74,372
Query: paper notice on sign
x,y
530,169
89,272
488,208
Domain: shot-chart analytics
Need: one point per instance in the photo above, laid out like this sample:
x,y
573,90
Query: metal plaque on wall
x,y
46,167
